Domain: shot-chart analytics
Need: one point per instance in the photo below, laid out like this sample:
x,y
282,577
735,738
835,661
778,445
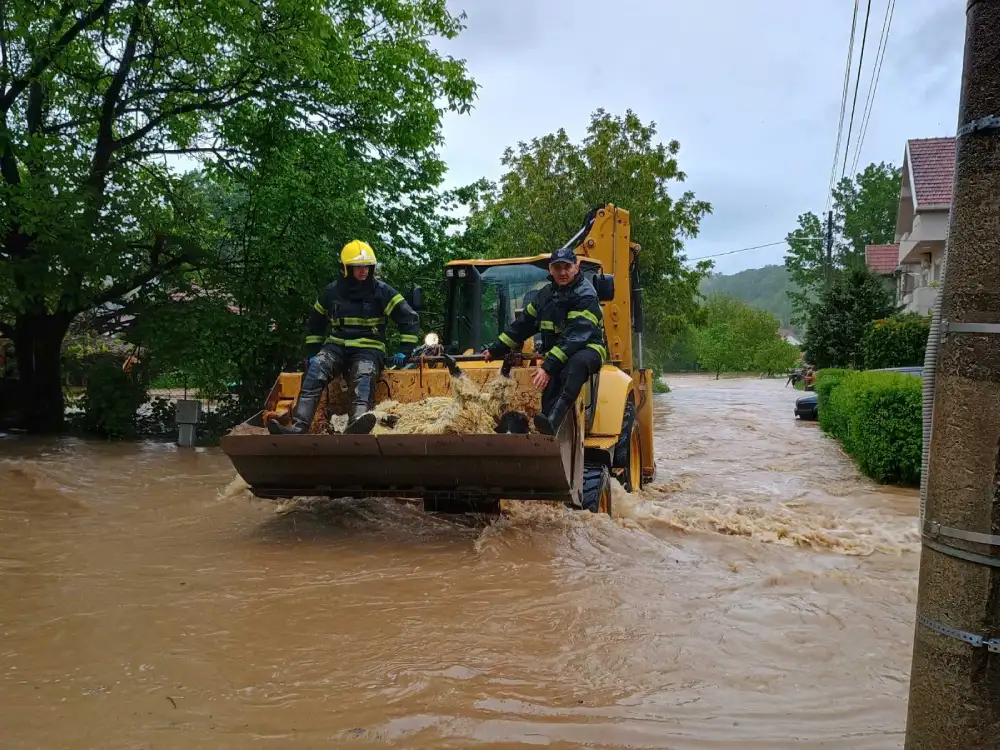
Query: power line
x,y
843,108
876,74
754,247
861,60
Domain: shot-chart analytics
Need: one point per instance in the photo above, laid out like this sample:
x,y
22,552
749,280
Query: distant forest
x,y
763,288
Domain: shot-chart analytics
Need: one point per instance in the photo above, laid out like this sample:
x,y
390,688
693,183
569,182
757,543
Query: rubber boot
x,y
319,371
361,418
302,417
548,424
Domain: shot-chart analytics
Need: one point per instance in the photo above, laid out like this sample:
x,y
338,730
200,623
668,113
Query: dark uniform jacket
x,y
569,319
354,314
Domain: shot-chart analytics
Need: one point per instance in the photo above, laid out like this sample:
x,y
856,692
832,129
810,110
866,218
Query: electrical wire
x,y
861,61
755,247
843,108
890,9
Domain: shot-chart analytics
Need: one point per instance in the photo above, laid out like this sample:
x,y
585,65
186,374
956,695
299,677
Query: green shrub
x,y
886,426
899,341
826,381
877,417
112,399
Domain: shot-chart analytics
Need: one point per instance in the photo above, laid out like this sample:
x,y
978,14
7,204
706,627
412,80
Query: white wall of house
x,y
921,249
918,282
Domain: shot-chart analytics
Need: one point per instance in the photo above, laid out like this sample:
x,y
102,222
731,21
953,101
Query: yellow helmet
x,y
356,253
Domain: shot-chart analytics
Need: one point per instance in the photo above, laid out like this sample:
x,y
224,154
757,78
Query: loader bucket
x,y
433,468
449,473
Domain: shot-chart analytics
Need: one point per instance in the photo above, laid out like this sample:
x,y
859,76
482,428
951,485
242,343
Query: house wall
x,y
930,228
918,283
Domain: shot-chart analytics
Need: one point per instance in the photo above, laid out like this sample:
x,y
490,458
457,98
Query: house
x,y
790,337
922,220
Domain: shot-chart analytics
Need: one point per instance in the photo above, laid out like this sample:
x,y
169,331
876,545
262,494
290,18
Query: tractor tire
x,y
597,488
628,451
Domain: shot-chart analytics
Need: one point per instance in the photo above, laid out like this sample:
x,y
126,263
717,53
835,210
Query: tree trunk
x,y
37,345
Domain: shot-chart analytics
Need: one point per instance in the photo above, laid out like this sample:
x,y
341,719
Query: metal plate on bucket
x,y
415,466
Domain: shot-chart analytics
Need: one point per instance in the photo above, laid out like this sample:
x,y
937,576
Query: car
x,y
807,407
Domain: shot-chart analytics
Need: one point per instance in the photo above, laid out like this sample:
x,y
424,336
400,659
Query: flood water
x,y
760,595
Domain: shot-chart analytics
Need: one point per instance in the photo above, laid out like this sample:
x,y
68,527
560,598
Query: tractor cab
x,y
484,297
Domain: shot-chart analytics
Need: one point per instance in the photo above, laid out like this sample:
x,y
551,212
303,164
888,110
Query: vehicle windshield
x,y
505,290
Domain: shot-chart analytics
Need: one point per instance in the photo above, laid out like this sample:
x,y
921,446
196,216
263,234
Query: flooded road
x,y
760,595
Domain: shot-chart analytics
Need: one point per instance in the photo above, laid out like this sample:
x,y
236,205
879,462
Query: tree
x,y
864,213
719,349
682,356
278,248
550,185
762,288
837,323
776,355
733,334
95,96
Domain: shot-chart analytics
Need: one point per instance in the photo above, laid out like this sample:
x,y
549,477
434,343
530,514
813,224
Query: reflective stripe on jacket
x,y
569,318
356,314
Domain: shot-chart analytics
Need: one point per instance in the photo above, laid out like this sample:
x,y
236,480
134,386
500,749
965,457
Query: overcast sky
x,y
751,90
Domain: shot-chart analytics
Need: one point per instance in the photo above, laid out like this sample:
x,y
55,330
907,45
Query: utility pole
x,y
829,250
955,674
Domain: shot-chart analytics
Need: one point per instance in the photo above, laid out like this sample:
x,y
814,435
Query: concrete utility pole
x,y
955,676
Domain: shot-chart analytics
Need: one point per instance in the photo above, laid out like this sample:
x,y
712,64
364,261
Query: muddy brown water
x,y
760,595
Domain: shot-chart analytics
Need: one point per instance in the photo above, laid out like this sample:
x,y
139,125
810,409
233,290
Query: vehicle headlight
x,y
431,339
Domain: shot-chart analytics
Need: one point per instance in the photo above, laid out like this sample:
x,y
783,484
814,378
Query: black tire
x,y
596,484
623,448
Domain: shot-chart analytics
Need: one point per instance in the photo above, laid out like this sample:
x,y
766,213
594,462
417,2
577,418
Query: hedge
x,y
878,419
899,341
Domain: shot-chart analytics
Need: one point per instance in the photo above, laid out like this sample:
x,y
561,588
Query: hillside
x,y
764,288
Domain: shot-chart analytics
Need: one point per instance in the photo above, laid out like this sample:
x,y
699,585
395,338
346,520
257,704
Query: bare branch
x,y
4,54
45,59
208,106
157,269
134,155
105,128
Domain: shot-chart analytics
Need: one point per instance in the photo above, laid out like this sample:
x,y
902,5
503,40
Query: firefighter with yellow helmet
x,y
346,337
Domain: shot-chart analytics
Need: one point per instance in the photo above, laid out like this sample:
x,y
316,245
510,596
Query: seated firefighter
x,y
354,310
568,315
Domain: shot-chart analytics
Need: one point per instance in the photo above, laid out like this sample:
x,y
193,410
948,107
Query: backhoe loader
x,y
608,437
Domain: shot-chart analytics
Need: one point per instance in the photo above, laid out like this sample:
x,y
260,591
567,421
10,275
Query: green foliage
x,y
682,356
112,399
899,341
826,382
275,100
550,185
776,355
837,323
764,288
735,337
877,416
864,213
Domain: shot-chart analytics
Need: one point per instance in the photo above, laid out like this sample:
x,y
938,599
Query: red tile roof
x,y
932,166
882,258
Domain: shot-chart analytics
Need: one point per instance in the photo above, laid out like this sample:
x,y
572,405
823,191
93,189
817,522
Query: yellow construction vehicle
x,y
609,435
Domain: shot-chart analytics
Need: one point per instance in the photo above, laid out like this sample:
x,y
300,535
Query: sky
x,y
752,91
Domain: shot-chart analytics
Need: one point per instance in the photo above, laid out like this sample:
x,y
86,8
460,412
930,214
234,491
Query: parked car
x,y
807,407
